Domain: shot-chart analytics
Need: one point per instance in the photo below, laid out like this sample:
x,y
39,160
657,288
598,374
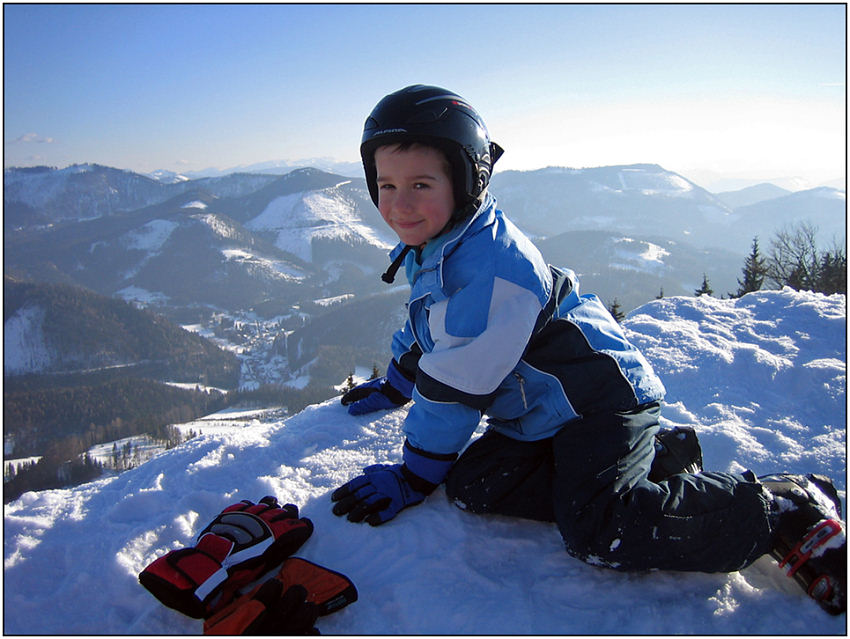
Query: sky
x,y
709,91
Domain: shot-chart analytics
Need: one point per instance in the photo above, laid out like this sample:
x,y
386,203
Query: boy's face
x,y
415,194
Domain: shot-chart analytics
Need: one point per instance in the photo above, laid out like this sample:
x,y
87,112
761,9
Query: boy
x,y
572,406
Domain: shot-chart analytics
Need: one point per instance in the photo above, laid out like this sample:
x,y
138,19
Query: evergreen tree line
x,y
61,424
793,260
90,415
293,399
45,474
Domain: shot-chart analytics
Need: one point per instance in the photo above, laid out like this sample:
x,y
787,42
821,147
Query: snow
x,y
330,301
655,181
141,296
24,348
150,237
276,269
638,255
761,378
299,218
217,225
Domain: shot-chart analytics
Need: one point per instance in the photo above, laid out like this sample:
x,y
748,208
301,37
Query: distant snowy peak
x,y
80,191
297,219
828,193
167,177
751,195
644,179
650,180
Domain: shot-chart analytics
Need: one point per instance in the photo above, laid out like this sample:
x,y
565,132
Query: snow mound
x,y
761,378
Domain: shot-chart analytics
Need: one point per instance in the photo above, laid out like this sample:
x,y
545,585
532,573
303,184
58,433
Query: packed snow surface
x,y
761,378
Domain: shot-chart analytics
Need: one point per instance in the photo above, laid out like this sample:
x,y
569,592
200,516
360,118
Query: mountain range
x,y
273,245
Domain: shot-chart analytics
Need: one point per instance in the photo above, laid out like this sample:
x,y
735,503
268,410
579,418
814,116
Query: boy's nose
x,y
403,202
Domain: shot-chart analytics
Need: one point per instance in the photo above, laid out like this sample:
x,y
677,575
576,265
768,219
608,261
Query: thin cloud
x,y
32,138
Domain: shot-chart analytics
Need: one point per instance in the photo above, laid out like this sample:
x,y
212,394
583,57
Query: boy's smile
x,y
415,195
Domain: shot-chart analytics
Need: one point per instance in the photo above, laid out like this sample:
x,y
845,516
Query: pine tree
x,y
832,275
754,271
375,372
615,311
705,289
660,294
349,383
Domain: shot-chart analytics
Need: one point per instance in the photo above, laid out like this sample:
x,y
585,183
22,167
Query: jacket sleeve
x,y
457,380
406,351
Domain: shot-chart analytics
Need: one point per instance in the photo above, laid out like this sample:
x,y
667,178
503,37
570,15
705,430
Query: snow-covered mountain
x,y
825,207
299,222
642,199
272,244
632,269
232,242
646,200
167,177
761,378
42,195
751,195
281,167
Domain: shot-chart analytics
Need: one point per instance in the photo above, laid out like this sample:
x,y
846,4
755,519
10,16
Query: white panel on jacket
x,y
478,365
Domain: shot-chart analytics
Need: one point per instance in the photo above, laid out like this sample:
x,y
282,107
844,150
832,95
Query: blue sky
x,y
753,90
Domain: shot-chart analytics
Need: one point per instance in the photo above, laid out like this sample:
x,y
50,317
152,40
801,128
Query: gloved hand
x,y
391,391
240,544
287,604
385,489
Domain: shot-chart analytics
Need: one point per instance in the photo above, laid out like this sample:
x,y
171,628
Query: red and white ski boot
x,y
811,539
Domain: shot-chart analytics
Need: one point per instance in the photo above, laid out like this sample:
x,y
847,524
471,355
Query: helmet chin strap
x,y
389,275
461,214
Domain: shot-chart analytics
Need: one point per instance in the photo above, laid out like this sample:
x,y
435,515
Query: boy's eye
x,y
421,185
385,186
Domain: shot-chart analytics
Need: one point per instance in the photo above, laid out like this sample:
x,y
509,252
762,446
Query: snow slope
x,y
299,218
762,378
24,347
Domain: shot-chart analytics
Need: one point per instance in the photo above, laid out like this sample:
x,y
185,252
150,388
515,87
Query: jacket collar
x,y
428,263
445,243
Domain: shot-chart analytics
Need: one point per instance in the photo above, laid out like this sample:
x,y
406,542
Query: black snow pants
x,y
592,479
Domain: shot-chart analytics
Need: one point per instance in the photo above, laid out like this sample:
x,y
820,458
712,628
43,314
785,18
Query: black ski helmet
x,y
439,118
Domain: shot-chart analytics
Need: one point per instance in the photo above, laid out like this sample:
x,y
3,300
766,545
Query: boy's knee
x,y
466,490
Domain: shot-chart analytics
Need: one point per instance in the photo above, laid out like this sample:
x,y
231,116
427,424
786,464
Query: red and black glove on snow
x,y
243,542
287,604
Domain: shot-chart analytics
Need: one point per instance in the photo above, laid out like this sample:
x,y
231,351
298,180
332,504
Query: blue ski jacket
x,y
493,329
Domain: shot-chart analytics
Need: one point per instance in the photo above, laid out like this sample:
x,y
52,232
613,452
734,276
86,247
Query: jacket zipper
x,y
521,381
